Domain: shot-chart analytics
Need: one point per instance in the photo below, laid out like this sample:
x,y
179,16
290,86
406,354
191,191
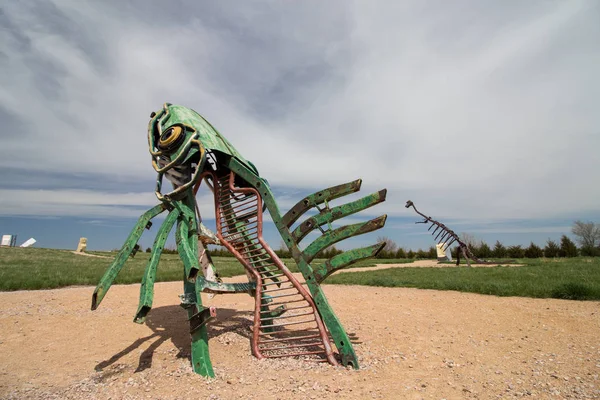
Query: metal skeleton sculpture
x,y
446,237
291,318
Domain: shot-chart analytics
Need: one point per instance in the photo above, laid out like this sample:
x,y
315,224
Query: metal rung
x,y
284,317
264,259
248,216
273,283
288,323
237,233
267,272
242,206
259,249
295,354
279,289
285,302
266,267
292,346
290,309
287,332
248,256
260,265
286,295
248,232
274,276
241,203
268,259
289,338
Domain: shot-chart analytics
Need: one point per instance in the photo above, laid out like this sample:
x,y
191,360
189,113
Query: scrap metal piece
x,y
317,198
447,233
290,318
199,319
345,259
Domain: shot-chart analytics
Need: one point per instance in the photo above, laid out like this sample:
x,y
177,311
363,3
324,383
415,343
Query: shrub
x,y
534,251
432,253
590,251
567,247
515,251
400,253
499,250
551,249
483,251
421,254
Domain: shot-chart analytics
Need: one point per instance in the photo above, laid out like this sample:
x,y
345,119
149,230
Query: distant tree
x,y
567,247
469,240
534,251
551,249
590,251
329,252
218,251
421,254
410,254
499,250
483,250
515,251
169,250
432,253
400,253
282,251
390,248
148,250
587,234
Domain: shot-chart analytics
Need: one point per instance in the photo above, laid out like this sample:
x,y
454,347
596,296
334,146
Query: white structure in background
x,y
9,240
28,242
441,254
82,245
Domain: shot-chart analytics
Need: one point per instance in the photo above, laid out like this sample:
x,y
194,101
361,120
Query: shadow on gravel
x,y
170,323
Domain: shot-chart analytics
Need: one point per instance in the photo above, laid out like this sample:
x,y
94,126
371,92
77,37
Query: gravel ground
x,y
414,344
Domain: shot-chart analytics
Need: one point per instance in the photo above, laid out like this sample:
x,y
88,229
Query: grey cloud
x,y
484,109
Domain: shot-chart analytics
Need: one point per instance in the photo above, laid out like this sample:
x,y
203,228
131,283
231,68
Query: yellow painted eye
x,y
169,137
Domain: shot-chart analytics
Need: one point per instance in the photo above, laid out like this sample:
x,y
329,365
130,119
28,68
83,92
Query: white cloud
x,y
485,112
85,203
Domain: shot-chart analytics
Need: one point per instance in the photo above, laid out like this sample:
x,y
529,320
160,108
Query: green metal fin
x,y
326,216
199,350
111,273
345,259
147,288
186,253
339,234
317,198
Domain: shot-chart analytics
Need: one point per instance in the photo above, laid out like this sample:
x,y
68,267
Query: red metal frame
x,y
259,282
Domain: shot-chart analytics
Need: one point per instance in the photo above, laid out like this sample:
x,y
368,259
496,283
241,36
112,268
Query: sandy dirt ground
x,y
420,264
413,344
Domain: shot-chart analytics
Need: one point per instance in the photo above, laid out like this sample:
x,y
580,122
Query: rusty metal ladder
x,y
286,320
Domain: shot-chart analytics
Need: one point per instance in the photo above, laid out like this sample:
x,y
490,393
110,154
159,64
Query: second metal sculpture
x,y
446,237
292,316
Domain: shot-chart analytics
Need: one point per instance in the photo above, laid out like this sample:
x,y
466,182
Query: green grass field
x,y
33,268
565,278
571,278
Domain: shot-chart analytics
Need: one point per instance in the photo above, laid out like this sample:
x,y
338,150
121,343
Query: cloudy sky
x,y
484,113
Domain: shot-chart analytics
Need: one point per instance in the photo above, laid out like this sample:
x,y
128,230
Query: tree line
x,y
565,248
587,235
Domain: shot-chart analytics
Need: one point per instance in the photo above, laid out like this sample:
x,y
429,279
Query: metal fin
x,y
345,259
339,234
328,215
317,198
